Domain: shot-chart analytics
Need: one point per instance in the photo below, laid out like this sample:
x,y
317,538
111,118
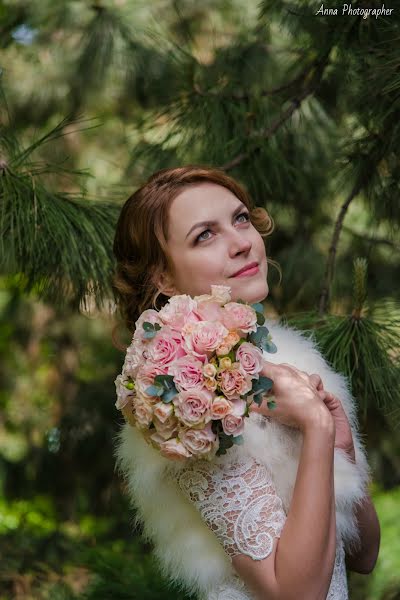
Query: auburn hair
x,y
140,242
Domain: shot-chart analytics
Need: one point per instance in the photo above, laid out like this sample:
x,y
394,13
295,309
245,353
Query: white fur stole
x,y
188,553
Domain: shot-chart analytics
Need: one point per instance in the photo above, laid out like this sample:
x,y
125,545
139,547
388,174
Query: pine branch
x,y
372,239
319,65
58,245
367,169
364,347
330,263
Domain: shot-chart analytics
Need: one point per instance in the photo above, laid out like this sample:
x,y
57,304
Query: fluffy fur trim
x,y
188,553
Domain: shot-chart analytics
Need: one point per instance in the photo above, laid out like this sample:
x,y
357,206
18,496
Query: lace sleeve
x,y
238,502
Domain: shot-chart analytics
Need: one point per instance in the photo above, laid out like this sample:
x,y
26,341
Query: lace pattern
x,y
238,502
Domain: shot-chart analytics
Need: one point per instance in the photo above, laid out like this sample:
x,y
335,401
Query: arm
x,y
363,559
301,562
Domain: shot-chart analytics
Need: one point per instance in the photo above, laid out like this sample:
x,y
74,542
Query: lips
x,y
245,268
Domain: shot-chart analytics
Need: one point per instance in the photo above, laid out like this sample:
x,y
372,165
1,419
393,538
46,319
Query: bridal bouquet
x,y
191,373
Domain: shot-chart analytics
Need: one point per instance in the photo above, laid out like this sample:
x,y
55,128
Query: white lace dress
x,y
237,500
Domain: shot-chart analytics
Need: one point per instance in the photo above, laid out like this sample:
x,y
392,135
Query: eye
x,y
200,237
244,214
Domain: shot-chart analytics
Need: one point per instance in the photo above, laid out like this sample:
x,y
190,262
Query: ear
x,y
164,282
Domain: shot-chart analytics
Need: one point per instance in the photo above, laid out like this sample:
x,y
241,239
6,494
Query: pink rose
x,y
203,338
233,382
239,316
187,372
174,450
208,310
165,347
233,423
192,407
178,311
220,407
146,375
150,316
143,412
168,428
250,358
200,441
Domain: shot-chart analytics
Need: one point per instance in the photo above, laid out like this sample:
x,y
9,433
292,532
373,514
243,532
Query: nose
x,y
239,243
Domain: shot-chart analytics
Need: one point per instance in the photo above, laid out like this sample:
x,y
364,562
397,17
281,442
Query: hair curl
x,y
140,242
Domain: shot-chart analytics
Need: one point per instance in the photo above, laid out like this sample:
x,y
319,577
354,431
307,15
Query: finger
x,y
316,381
269,369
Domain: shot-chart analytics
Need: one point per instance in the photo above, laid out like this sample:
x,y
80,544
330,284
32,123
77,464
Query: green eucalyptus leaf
x,y
262,384
271,404
256,337
258,398
157,326
154,390
169,395
238,440
270,347
260,318
258,307
165,380
148,335
148,326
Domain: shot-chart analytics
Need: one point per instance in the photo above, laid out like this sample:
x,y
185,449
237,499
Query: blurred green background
x,y
95,96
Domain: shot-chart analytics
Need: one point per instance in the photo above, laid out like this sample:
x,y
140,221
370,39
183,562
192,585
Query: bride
x,y
284,514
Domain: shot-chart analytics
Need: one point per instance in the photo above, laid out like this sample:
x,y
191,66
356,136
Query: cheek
x,y
194,273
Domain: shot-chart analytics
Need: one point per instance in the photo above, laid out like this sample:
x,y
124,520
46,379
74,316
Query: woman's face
x,y
212,253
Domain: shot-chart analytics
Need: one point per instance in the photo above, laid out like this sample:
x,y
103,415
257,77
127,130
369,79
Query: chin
x,y
250,292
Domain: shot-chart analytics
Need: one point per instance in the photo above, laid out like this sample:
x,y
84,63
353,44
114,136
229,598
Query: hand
x,y
298,403
343,435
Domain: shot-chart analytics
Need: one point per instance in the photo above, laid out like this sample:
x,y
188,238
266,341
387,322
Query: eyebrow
x,y
237,210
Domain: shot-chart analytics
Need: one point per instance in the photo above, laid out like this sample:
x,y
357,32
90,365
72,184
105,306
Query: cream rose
x,y
143,412
124,394
168,428
220,407
163,411
209,370
228,343
233,382
221,293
